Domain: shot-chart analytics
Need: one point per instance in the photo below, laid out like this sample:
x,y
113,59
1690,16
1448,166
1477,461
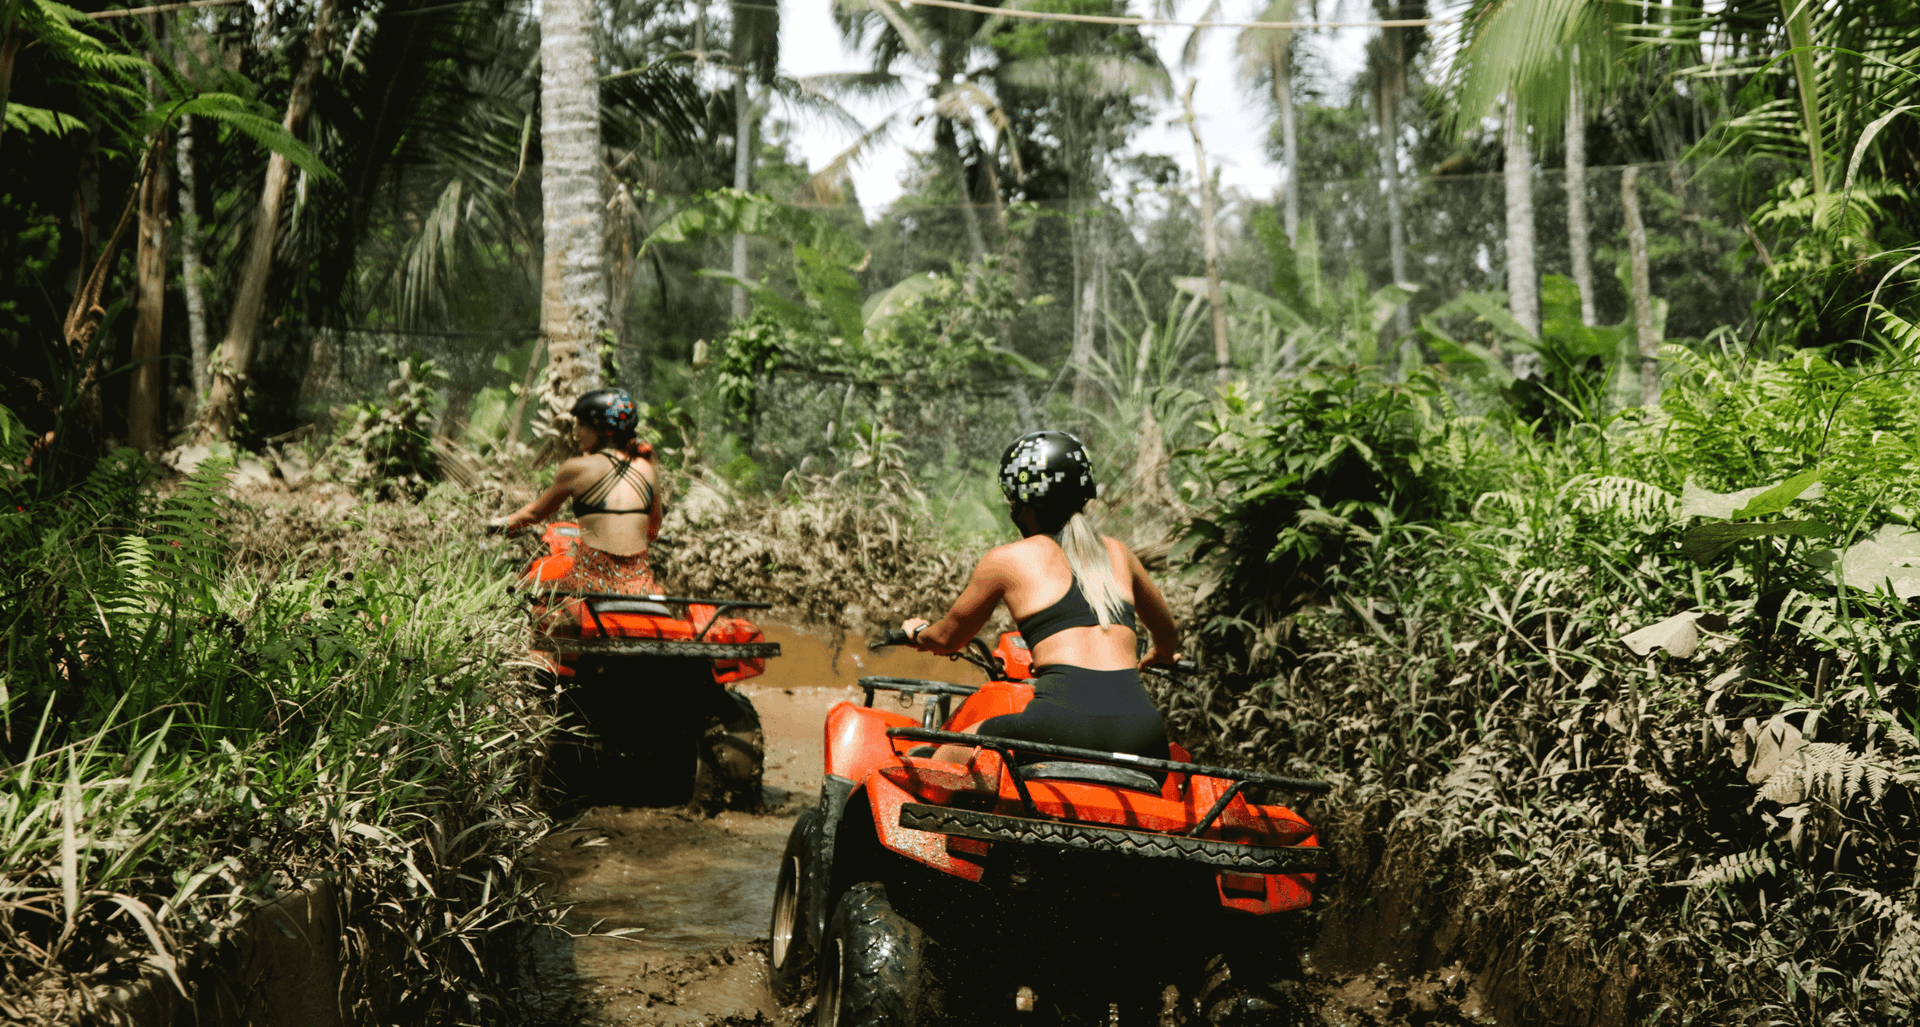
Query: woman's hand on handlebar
x,y
1162,658
506,525
911,628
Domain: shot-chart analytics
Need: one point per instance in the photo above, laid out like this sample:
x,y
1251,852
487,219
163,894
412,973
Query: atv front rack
x,y
1006,747
936,712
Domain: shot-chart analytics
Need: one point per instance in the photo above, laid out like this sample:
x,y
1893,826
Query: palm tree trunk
x,y
575,295
1392,89
146,403
1642,288
742,174
1578,241
1280,66
190,258
1523,283
146,398
10,39
231,365
949,147
1210,232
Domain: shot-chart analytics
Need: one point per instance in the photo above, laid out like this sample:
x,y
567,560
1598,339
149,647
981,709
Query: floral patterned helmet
x,y
608,411
1047,469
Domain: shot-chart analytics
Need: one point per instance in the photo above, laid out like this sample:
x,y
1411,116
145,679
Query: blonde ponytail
x,y
1088,558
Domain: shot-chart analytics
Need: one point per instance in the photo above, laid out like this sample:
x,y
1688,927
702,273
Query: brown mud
x,y
670,908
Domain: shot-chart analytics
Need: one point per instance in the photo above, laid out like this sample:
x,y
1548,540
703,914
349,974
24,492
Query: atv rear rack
x,y
992,827
1006,746
659,647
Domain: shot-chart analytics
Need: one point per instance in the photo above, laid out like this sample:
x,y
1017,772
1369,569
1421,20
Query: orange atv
x,y
1034,883
645,688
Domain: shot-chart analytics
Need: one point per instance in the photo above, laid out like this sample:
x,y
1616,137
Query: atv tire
x,y
733,756
1243,1000
876,967
792,956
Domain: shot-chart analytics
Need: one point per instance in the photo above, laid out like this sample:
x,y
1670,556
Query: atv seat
x,y
630,606
1092,773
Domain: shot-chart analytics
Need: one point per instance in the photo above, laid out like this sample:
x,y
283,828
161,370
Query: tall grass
x,y
1718,828
185,737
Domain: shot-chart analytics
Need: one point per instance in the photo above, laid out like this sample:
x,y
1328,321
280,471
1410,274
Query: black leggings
x,y
1108,710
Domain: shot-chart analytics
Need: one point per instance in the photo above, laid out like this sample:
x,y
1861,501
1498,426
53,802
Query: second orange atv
x,y
645,688
1034,883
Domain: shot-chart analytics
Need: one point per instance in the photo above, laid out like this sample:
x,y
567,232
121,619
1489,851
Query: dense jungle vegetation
x,y
1538,460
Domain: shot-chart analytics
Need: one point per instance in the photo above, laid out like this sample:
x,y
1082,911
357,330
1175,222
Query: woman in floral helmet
x,y
615,489
1080,600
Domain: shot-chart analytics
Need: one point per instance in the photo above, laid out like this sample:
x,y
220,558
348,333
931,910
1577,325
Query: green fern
x,y
1630,498
1828,772
133,604
1734,869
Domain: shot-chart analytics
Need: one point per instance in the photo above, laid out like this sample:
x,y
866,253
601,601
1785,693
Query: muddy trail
x,y
669,908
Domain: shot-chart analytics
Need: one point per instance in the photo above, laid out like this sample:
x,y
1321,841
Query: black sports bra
x,y
1069,611
594,499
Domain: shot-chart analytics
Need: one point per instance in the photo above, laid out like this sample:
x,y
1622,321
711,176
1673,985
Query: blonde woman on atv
x,y
1079,600
615,490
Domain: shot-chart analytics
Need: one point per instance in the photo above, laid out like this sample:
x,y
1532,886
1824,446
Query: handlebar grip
x,y
892,636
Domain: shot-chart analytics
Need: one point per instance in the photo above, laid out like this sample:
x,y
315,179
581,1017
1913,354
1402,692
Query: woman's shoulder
x,y
578,465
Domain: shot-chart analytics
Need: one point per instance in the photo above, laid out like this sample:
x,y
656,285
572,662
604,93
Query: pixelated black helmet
x,y
608,411
1047,469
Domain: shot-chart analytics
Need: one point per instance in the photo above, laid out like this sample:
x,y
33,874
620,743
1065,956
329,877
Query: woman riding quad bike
x,y
1078,599
1043,853
646,699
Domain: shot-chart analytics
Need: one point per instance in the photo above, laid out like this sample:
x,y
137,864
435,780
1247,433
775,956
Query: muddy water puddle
x,y
670,909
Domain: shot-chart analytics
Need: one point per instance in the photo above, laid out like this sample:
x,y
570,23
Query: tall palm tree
x,y
756,55
1269,53
1539,63
1388,56
235,358
944,45
576,297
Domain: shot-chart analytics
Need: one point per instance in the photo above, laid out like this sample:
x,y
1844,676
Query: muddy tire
x,y
876,967
662,774
733,755
1248,999
792,957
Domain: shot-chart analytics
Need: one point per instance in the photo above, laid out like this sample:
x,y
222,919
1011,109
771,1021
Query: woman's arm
x,y
564,484
1154,612
970,612
657,512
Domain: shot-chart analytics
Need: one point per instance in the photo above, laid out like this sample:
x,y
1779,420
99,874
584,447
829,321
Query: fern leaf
x,y
1741,866
21,117
1828,772
1631,498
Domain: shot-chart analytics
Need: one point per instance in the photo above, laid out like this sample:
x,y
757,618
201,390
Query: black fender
x,y
817,892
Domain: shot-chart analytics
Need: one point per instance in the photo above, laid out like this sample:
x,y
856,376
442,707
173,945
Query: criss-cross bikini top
x,y
1069,611
594,499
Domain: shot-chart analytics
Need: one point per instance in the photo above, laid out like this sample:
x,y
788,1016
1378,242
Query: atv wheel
x,y
732,756
792,956
1230,1000
875,969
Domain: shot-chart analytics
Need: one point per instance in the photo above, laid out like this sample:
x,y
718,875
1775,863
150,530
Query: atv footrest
x,y
660,647
1142,844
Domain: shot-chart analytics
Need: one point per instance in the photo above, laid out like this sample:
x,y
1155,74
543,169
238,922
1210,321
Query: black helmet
x,y
608,411
1048,469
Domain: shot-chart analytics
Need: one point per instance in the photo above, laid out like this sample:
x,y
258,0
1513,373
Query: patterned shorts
x,y
594,570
